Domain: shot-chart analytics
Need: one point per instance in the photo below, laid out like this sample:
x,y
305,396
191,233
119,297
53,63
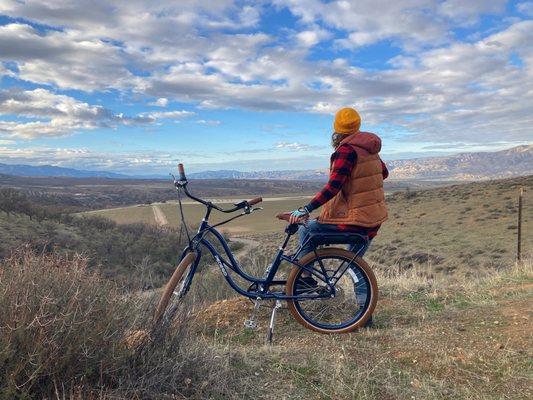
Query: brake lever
x,y
178,184
249,210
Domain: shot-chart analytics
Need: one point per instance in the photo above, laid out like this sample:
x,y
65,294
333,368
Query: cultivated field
x,y
260,221
81,194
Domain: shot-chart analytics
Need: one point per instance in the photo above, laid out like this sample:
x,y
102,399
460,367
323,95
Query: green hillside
x,y
135,254
466,228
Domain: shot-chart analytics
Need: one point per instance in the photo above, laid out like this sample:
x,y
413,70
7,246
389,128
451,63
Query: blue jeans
x,y
313,226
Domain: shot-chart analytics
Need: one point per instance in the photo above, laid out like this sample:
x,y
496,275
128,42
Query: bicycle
x,y
342,300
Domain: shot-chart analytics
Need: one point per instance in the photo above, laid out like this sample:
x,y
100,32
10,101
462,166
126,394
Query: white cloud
x,y
469,11
100,42
65,59
160,102
311,37
130,162
146,162
408,23
295,146
46,114
176,114
52,115
4,71
369,21
210,122
207,54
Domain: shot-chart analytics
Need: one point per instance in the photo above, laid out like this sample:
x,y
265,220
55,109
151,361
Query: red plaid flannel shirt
x,y
343,162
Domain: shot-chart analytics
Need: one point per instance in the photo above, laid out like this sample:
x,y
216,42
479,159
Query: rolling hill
x,y
517,161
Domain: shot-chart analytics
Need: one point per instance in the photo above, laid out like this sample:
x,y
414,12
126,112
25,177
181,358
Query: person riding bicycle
x,y
353,200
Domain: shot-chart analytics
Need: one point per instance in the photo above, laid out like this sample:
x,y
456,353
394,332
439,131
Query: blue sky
x,y
138,86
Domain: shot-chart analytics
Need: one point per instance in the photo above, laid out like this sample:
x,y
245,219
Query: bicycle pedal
x,y
250,324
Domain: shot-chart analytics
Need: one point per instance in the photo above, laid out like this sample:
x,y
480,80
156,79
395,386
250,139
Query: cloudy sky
x,y
137,86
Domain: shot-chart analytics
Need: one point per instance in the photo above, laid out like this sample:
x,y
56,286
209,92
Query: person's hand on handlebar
x,y
298,215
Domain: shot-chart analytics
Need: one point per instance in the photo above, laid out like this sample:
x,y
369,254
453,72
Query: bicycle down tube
x,y
263,283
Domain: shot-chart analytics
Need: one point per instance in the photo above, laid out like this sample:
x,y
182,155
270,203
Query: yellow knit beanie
x,y
347,121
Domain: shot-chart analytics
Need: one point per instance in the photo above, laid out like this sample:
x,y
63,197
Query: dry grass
x,y
63,332
432,339
66,333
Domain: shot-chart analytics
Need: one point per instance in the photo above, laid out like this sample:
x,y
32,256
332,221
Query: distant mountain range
x,y
50,170
516,161
465,166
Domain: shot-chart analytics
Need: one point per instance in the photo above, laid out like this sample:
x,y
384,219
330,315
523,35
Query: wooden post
x,y
519,238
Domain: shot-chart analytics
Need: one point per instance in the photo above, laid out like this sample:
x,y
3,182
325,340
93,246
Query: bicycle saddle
x,y
327,238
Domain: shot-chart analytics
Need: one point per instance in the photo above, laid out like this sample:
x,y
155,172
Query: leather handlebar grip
x,y
181,171
255,201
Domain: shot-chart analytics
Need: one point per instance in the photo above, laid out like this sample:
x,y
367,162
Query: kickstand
x,y
250,323
270,333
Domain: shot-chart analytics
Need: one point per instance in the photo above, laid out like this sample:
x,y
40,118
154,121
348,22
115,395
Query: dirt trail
x,y
159,216
248,244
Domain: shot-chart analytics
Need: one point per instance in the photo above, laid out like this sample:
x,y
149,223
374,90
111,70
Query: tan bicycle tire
x,y
332,252
175,279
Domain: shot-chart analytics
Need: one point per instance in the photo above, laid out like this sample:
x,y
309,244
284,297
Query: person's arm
x,y
343,163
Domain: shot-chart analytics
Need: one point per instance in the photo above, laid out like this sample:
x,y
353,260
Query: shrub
x,y
64,330
60,326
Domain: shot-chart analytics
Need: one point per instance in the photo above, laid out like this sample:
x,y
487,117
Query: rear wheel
x,y
174,290
351,303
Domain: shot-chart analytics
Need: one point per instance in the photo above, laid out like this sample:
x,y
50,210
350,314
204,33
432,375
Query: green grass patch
x,y
434,305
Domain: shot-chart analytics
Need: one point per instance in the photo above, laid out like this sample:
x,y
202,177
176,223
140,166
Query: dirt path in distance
x,y
159,216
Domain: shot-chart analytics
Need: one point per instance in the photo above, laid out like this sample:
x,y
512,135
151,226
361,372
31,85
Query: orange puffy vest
x,y
361,201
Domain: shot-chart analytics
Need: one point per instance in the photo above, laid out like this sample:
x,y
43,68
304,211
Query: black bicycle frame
x,y
263,284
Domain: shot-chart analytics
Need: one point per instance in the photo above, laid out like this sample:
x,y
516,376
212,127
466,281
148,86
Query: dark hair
x,y
337,138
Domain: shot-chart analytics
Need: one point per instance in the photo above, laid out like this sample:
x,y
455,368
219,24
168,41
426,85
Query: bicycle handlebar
x,y
253,202
183,184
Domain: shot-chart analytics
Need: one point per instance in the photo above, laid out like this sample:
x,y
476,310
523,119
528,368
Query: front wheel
x,y
352,300
174,290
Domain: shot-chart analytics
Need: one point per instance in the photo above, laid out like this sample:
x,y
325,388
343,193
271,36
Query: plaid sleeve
x,y
342,163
